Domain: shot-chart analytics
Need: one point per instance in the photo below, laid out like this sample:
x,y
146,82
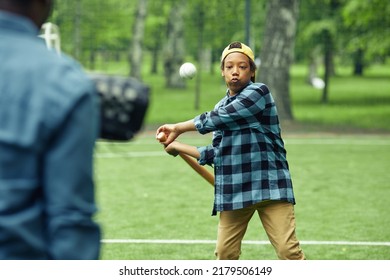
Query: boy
x,y
247,151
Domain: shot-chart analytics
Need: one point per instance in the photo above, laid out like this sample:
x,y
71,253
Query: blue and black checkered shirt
x,y
247,150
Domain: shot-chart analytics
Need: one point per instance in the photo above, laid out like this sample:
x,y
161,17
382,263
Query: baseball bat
x,y
201,170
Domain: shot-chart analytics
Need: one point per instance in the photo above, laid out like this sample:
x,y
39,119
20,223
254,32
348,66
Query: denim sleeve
x,y
68,180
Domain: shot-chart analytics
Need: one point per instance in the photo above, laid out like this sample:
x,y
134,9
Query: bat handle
x,y
202,171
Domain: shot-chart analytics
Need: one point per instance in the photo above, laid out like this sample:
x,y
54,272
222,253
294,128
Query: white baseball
x,y
187,70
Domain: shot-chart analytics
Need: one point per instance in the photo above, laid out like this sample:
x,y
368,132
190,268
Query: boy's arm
x,y
177,147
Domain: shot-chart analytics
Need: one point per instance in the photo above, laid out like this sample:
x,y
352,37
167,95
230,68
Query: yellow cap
x,y
238,47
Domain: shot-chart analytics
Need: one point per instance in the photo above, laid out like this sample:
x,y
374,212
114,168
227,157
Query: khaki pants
x,y
278,220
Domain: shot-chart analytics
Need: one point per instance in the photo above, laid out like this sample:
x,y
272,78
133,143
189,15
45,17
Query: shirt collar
x,y
17,23
234,96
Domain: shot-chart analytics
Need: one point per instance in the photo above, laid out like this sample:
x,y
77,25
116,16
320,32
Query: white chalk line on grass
x,y
356,142
250,242
131,154
368,142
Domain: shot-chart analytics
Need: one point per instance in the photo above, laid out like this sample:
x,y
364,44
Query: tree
x,y
352,30
200,24
320,26
174,49
368,26
135,53
155,30
328,41
277,52
92,28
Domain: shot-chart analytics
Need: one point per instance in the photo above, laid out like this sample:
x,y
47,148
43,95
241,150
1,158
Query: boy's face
x,y
237,71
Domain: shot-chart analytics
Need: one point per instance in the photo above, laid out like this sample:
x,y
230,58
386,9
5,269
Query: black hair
x,y
20,5
235,45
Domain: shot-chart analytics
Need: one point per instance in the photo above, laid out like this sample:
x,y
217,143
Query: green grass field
x,y
339,159
342,186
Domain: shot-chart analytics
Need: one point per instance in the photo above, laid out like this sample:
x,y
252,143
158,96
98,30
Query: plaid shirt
x,y
247,150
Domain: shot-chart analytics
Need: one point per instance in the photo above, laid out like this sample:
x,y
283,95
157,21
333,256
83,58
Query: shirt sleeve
x,y
243,111
207,153
68,177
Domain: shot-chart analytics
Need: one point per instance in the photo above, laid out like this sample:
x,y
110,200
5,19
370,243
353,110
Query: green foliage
x,y
369,25
314,30
319,22
92,29
222,24
105,26
156,24
93,25
353,25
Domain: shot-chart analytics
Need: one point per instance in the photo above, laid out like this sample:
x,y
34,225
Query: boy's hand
x,y
167,134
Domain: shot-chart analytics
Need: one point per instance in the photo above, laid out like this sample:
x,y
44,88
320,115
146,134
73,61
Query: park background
x,y
152,206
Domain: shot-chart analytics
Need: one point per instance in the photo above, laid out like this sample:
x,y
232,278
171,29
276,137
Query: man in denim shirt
x,y
249,159
48,127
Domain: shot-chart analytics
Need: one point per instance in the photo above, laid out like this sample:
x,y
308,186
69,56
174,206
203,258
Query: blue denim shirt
x,y
247,151
48,127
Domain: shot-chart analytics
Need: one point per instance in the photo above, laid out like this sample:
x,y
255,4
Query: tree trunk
x,y
328,46
358,62
135,55
92,59
77,31
174,50
154,61
200,26
277,52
